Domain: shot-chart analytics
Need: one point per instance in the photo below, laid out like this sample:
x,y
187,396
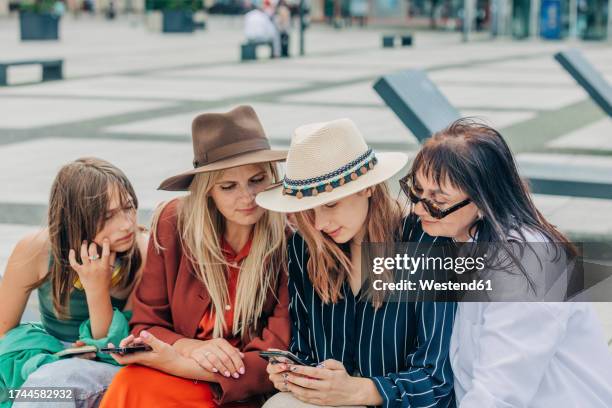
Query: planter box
x,y
34,26
177,21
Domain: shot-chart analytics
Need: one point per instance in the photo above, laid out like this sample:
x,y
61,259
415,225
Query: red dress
x,y
139,386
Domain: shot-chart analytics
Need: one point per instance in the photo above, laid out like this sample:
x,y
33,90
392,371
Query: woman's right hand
x,y
277,373
94,272
219,356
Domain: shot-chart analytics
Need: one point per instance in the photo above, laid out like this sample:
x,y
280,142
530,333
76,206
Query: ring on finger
x,y
94,258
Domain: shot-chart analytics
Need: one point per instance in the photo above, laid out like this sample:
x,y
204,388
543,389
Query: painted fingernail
x,y
144,334
215,370
236,375
241,371
227,374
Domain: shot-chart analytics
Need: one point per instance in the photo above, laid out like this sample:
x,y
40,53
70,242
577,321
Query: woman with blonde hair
x,y
214,289
367,351
84,265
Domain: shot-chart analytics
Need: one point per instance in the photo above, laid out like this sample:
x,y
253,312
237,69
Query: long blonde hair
x,y
201,226
328,266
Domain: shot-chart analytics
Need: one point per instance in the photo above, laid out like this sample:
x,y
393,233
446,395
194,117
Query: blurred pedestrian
x,y
259,27
359,11
282,20
88,6
111,11
59,8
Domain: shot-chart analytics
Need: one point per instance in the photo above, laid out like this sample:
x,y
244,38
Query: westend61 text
x,y
428,285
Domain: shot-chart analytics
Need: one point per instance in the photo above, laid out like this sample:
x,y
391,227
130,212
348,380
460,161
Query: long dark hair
x,y
475,159
77,205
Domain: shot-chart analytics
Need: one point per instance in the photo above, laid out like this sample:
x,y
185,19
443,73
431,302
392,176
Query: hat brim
x,y
181,182
388,165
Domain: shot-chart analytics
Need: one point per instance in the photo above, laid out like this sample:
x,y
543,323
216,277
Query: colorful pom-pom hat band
x,y
326,162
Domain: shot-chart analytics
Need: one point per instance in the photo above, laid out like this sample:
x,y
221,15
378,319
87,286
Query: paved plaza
x,y
130,94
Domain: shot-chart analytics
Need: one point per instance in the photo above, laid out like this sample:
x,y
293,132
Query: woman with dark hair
x,y
464,184
84,265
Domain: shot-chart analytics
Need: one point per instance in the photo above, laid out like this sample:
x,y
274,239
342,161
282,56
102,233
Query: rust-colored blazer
x,y
170,302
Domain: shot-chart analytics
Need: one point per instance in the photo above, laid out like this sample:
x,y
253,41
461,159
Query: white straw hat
x,y
326,162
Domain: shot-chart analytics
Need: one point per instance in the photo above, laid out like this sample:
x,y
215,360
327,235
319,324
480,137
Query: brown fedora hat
x,y
225,140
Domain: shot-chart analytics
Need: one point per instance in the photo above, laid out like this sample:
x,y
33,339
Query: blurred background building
x,y
553,19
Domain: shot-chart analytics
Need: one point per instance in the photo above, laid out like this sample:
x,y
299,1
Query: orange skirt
x,y
138,386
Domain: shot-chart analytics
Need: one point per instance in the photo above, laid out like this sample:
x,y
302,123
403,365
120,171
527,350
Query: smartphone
x,y
75,351
272,357
126,350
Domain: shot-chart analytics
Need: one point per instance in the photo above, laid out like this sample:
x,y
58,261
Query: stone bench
x,y
423,109
248,50
591,80
52,70
388,40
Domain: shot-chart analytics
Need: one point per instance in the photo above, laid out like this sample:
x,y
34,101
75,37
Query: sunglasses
x,y
430,207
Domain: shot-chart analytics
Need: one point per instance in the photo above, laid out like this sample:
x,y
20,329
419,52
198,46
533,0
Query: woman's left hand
x,y
162,356
326,384
86,356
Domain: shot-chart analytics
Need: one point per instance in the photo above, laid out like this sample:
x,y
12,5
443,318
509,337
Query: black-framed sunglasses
x,y
430,207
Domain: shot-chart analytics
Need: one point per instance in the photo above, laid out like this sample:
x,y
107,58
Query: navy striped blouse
x,y
403,346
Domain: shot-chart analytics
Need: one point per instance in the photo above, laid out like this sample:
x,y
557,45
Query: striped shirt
x,y
402,346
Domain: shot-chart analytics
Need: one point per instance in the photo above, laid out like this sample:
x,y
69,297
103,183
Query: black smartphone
x,y
126,350
272,356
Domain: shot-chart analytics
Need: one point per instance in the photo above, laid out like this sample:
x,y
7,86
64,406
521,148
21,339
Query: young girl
x,y
85,264
214,290
465,185
369,352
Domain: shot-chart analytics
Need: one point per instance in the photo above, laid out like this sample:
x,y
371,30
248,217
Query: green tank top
x,y
66,329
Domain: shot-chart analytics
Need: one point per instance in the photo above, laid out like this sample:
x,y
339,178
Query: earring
x,y
480,215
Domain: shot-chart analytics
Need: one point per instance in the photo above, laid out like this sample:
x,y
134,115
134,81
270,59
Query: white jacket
x,y
530,354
